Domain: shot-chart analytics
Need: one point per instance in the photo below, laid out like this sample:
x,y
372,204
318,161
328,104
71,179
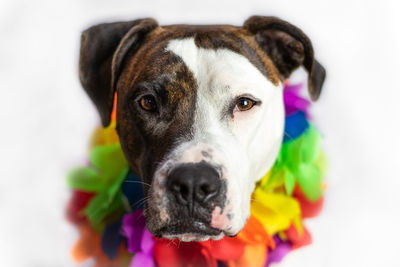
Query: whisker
x,y
137,182
140,201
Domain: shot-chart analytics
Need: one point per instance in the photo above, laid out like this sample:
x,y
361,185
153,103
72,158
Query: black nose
x,y
193,183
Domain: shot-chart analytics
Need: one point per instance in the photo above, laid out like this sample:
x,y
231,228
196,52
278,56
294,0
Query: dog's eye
x,y
148,103
244,104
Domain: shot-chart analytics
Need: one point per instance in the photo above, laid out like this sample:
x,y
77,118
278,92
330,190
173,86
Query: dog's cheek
x,y
237,208
236,214
157,198
266,141
155,211
130,137
153,222
260,143
140,160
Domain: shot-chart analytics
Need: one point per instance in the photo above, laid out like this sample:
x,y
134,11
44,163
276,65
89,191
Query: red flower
x,y
76,204
308,209
298,239
173,253
249,248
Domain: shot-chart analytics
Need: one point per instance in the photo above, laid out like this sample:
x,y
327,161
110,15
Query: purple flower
x,y
281,249
294,101
140,240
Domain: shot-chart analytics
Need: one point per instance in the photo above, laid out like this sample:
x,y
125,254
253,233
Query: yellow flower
x,y
275,211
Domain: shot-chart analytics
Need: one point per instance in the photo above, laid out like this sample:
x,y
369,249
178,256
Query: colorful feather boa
x,y
107,202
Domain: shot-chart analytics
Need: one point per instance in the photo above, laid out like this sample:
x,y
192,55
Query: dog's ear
x,y
288,47
102,52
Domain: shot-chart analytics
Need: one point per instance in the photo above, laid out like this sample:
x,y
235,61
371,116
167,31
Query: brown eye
x,y
148,103
244,104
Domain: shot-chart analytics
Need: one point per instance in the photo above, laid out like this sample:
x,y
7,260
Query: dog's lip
x,y
189,237
189,227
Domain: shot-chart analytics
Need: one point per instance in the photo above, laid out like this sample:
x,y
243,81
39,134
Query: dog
x,y
199,112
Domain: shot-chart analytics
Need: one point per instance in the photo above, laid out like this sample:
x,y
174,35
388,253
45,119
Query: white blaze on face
x,y
245,145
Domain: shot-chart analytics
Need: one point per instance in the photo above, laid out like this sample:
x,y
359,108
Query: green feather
x,y
86,179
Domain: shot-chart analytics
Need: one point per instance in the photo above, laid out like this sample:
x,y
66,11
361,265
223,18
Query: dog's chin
x,y
193,231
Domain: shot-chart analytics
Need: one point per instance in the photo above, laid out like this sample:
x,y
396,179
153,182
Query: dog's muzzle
x,y
193,190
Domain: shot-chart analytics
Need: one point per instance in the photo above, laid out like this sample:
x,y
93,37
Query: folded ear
x,y
288,47
102,53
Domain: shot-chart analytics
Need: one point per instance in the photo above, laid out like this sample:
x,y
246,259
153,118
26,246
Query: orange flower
x,y
257,242
89,246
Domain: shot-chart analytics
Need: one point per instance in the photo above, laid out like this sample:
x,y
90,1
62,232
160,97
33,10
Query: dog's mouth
x,y
189,231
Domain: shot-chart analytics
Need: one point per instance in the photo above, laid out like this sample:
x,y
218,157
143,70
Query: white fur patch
x,y
245,145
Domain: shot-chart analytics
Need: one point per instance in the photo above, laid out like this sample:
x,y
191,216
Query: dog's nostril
x,y
201,192
181,191
205,191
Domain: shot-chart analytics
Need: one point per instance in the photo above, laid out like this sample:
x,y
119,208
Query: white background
x,y
46,119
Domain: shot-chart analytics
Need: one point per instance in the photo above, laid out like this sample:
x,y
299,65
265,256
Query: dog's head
x,y
200,112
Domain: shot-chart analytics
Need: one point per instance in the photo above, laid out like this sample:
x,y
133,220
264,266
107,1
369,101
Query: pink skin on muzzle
x,y
218,219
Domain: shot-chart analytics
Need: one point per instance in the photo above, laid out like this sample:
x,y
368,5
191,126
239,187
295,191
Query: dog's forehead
x,y
219,71
220,38
152,59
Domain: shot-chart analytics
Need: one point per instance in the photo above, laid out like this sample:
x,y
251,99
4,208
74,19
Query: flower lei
x,y
107,202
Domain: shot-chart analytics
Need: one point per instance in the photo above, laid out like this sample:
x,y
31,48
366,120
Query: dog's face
x,y
200,112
